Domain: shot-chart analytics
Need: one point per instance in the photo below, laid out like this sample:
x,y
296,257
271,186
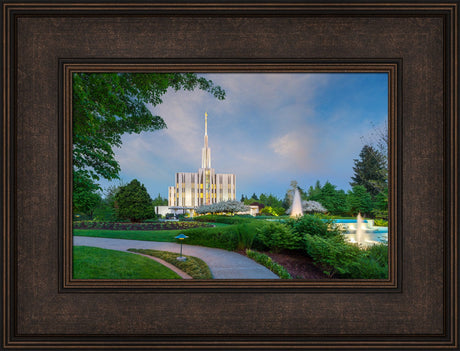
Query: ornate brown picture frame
x,y
415,43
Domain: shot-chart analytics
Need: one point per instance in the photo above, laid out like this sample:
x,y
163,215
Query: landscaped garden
x,y
322,244
311,239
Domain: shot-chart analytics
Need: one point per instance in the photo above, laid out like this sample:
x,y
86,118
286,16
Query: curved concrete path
x,y
223,264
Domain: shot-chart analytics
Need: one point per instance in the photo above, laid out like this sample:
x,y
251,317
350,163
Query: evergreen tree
x,y
380,205
160,201
133,202
370,171
314,191
263,199
273,201
335,201
359,200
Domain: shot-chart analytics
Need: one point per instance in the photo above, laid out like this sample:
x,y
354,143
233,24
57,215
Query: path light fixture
x,y
181,238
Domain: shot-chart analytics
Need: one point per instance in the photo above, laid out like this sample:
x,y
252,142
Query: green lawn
x,y
193,266
96,263
146,235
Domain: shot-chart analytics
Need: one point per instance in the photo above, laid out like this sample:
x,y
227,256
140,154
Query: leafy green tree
x,y
287,201
273,201
107,105
380,205
272,211
315,191
106,211
160,201
263,199
370,170
133,202
335,201
359,200
85,194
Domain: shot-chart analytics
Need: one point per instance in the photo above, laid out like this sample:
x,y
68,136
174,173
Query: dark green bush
x,y
339,258
379,253
313,225
233,237
332,254
277,236
380,223
371,264
224,219
245,235
366,267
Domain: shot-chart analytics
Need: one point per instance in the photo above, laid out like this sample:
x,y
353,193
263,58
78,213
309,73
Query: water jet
x,y
296,208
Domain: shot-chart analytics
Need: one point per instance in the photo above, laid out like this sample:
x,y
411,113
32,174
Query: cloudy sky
x,y
270,129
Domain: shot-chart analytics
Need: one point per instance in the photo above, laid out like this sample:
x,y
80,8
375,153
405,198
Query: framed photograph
x,y
264,129
76,105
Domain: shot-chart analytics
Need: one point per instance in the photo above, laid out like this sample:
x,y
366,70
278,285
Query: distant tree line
x,y
130,201
368,194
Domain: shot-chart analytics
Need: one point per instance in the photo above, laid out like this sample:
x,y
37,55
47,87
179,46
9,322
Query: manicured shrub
x,y
245,235
380,223
229,238
332,253
266,261
277,236
344,260
224,219
366,267
138,226
379,252
371,264
313,225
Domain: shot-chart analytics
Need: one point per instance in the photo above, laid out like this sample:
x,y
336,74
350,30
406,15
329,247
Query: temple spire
x,y
205,123
206,130
206,151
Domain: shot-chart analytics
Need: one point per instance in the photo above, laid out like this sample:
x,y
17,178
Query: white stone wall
x,y
162,210
171,196
226,187
192,190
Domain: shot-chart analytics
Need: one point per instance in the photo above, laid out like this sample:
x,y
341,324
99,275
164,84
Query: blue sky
x,y
270,129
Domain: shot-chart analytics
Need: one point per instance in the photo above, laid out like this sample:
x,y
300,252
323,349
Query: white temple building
x,y
204,187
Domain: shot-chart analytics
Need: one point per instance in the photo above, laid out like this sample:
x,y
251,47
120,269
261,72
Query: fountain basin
x,y
367,235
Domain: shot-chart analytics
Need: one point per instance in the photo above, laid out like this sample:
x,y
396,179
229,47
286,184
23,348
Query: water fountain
x,y
365,233
359,229
296,208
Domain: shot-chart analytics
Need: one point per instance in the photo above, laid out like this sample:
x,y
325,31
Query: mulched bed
x,y
297,264
140,226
